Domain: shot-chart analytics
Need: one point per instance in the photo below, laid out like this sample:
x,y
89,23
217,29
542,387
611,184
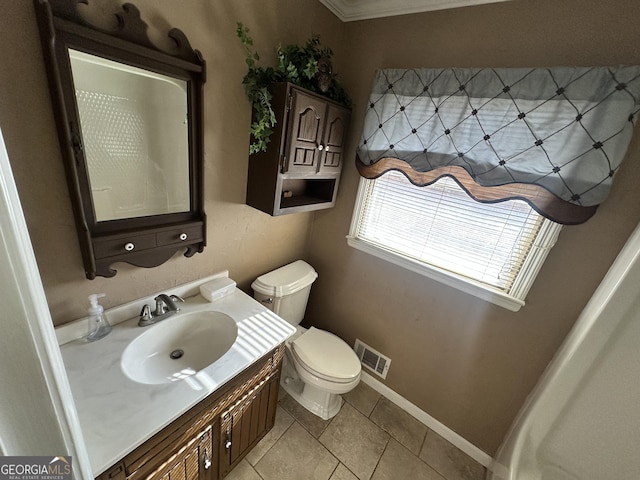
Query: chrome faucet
x,y
165,307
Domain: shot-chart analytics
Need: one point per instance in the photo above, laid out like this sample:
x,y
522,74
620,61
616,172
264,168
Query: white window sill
x,y
466,285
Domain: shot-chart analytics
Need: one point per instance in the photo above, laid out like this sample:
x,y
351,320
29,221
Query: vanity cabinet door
x,y
246,422
183,452
193,461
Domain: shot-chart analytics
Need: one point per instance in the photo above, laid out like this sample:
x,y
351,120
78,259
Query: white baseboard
x,y
445,432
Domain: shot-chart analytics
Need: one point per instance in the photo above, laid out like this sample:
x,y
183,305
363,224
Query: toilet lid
x,y
327,354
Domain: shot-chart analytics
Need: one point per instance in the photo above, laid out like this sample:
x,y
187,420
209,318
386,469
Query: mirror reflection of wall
x,y
135,134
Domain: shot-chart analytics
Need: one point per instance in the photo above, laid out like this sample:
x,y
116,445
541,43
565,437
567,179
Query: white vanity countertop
x,y
117,414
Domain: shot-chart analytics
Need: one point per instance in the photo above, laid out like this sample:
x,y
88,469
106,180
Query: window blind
x,y
497,244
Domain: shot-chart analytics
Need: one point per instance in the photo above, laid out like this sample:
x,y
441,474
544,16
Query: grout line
x,y
374,407
332,454
433,424
382,455
274,443
351,471
424,441
334,470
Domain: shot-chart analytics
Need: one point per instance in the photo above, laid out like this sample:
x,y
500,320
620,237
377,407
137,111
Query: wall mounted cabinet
x,y
300,171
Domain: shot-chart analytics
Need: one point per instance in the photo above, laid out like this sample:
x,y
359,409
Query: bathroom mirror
x,y
134,126
129,120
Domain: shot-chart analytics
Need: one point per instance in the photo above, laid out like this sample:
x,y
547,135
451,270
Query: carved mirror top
x,y
130,27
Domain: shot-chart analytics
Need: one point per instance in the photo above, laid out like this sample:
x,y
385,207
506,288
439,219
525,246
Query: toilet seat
x,y
326,356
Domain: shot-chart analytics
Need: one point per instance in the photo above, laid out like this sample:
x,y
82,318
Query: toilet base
x,y
319,402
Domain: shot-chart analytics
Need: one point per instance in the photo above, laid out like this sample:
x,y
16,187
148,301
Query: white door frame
x,y
37,411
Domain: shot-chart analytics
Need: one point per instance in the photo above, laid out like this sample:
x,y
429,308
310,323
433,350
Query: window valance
x,y
554,137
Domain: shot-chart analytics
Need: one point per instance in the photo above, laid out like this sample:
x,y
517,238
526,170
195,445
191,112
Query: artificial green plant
x,y
298,65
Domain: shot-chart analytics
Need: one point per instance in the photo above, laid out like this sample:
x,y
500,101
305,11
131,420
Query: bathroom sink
x,y
179,347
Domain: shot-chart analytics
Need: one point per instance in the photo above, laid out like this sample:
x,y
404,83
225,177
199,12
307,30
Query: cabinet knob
x,y
183,236
206,463
129,246
320,147
227,445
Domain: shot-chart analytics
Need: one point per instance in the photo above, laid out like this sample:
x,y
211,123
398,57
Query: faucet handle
x,y
146,318
145,312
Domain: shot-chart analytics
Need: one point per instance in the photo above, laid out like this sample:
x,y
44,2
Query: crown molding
x,y
352,10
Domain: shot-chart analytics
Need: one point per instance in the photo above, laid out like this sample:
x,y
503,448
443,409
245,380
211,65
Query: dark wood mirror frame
x,y
146,241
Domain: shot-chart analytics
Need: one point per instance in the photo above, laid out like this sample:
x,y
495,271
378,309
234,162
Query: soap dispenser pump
x,y
99,327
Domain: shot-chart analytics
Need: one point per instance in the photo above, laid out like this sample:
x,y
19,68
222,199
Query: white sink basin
x,y
179,347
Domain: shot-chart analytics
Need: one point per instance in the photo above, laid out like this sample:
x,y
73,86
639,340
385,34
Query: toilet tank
x,y
286,290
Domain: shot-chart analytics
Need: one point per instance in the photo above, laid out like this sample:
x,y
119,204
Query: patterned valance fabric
x,y
563,129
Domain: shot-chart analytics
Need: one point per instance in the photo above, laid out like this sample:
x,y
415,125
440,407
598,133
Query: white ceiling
x,y
351,10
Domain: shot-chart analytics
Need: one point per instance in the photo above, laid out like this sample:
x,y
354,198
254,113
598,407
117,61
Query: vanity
x,y
139,422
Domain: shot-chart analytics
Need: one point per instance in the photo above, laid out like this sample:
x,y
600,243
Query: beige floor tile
x,y
243,471
363,398
451,462
399,424
343,473
283,421
399,463
314,424
296,456
355,440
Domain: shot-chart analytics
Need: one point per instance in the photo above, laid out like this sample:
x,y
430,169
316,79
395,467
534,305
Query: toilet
x,y
318,366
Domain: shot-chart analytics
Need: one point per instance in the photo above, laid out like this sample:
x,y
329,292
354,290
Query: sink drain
x,y
176,354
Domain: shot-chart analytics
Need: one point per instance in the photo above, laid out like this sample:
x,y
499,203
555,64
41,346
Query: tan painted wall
x,y
466,362
241,239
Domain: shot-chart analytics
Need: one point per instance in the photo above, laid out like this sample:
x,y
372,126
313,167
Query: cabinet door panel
x,y
192,462
334,138
306,120
250,421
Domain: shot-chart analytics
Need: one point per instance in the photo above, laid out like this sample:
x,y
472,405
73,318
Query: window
x,y
493,251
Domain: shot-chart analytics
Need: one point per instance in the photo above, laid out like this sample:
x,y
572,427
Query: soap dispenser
x,y
99,327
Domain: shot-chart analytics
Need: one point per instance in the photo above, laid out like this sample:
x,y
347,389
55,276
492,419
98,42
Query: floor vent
x,y
372,359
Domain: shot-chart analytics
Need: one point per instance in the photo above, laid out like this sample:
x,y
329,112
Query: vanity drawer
x,y
110,247
179,235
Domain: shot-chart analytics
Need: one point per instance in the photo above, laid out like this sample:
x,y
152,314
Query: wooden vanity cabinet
x,y
300,170
240,413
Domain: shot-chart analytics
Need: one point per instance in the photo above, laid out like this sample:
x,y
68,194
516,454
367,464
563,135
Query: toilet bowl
x,y
317,379
318,365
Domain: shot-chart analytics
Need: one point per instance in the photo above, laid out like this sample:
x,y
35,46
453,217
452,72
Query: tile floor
x,y
369,439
